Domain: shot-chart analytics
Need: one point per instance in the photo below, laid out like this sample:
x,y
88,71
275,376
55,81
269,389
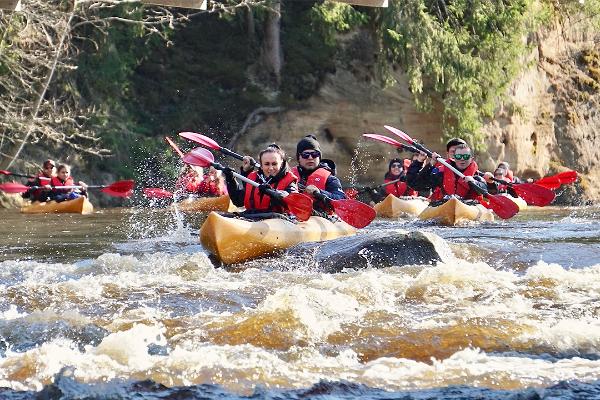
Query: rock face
x,y
547,125
8,200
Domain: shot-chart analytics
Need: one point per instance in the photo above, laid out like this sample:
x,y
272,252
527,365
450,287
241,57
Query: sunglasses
x,y
308,154
49,167
462,156
396,166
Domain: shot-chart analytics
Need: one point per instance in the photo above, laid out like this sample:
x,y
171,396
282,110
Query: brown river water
x,y
125,304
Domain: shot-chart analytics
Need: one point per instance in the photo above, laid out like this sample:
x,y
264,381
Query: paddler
x,y
442,180
274,173
315,175
42,178
63,178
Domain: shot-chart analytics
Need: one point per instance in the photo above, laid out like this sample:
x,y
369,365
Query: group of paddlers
x,y
416,176
55,183
316,177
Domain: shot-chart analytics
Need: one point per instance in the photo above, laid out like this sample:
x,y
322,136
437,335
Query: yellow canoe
x,y
454,212
234,240
200,204
518,201
80,205
406,206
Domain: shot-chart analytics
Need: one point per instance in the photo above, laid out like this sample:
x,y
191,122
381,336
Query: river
x,y
125,304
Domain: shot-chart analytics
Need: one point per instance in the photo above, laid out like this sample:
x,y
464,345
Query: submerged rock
x,y
375,249
10,200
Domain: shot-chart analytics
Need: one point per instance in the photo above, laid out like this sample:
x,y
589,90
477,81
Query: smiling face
x,y
463,157
270,163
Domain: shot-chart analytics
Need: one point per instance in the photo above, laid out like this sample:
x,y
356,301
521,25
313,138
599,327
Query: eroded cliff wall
x,y
548,123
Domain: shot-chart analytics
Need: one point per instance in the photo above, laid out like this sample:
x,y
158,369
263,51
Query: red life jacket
x,y
189,182
55,181
39,180
254,200
209,187
452,185
318,177
399,188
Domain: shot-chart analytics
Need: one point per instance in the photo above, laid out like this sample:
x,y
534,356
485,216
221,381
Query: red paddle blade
x,y
157,193
354,212
567,177
534,194
383,139
300,205
5,172
504,207
398,132
201,139
549,182
13,187
120,188
200,157
174,146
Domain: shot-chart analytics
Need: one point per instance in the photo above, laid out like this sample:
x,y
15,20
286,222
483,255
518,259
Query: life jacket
x,y
398,188
209,187
55,181
318,177
40,180
188,182
254,200
453,185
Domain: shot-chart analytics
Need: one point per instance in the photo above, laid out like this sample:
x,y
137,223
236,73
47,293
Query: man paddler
x,y
444,182
316,177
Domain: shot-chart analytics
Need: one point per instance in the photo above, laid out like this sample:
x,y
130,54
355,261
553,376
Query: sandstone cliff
x,y
547,124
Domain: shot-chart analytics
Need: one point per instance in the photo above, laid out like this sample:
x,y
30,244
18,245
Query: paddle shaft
x,y
3,172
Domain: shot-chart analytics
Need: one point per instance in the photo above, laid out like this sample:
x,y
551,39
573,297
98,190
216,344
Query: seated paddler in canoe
x,y
200,191
495,184
60,194
267,224
399,198
454,199
41,182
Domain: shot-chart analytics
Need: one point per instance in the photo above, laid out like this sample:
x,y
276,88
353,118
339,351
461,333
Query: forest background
x,y
99,83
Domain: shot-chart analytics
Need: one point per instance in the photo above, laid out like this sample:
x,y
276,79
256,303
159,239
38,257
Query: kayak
x,y
394,207
518,201
200,204
454,212
234,240
80,205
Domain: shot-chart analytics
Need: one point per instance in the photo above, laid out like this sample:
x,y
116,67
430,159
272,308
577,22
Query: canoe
x,y
80,205
200,204
406,206
234,240
454,212
518,201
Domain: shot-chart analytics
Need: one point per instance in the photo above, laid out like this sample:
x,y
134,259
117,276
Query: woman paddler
x,y
274,173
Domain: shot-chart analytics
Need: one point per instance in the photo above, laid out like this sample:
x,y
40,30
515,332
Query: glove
x,y
228,172
264,188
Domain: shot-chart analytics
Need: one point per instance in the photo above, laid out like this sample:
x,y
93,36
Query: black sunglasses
x,y
308,154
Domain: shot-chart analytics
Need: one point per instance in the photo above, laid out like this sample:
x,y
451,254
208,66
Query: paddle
x,y
503,206
211,144
532,194
353,212
5,172
157,193
554,182
299,204
117,189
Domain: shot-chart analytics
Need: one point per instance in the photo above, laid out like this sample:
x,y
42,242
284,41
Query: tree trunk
x,y
272,53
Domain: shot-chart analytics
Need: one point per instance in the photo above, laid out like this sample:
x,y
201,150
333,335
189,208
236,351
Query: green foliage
x,y
465,53
310,44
